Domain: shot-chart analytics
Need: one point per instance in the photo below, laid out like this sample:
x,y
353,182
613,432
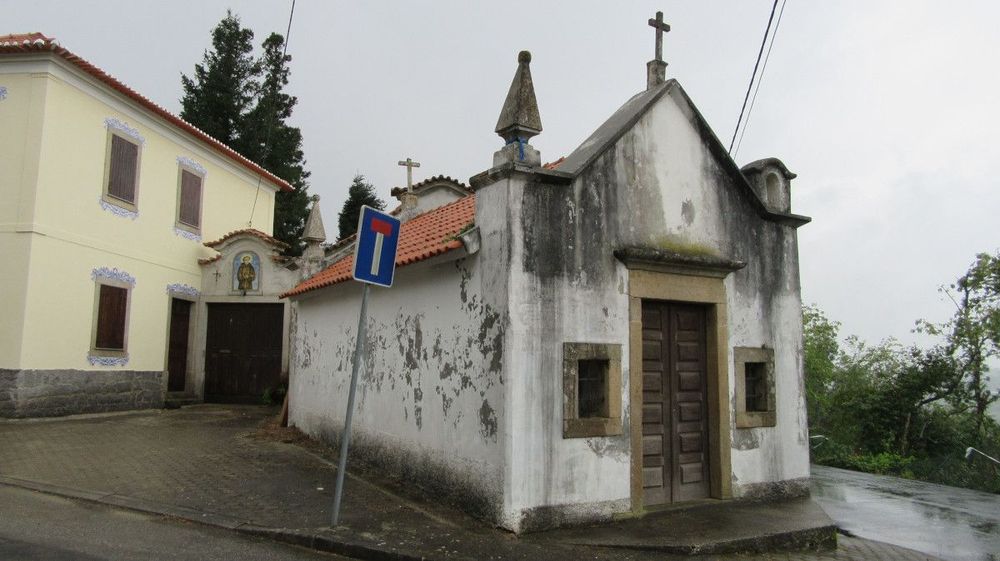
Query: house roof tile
x,y
248,232
422,237
26,43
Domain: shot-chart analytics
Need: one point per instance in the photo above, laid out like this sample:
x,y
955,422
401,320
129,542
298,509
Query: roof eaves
x,y
45,44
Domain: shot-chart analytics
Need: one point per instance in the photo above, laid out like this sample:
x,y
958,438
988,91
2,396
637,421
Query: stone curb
x,y
328,544
307,539
823,538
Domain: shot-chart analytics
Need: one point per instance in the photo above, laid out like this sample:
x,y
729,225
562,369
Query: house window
x,y
121,172
755,402
112,302
110,338
189,200
592,386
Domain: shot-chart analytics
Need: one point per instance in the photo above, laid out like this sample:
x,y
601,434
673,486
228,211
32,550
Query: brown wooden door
x,y
674,403
177,349
242,351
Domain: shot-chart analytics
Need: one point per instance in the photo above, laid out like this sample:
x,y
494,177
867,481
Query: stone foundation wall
x,y
52,393
774,490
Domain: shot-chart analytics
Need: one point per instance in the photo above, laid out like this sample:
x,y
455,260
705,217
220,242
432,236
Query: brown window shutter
x,y
111,307
121,175
190,212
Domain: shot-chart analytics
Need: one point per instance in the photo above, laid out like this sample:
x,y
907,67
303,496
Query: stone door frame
x,y
710,291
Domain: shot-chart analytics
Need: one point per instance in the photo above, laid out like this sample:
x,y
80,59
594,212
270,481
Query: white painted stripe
x,y
377,254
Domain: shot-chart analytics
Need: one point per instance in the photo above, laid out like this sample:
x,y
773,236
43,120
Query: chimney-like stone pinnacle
x,y
519,119
314,231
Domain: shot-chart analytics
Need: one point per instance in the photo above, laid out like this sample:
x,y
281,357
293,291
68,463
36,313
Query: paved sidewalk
x,y
208,464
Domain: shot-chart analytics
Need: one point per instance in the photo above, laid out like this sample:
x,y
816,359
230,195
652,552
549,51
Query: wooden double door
x,y
675,454
243,351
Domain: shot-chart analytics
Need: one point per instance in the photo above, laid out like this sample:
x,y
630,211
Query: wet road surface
x,y
949,522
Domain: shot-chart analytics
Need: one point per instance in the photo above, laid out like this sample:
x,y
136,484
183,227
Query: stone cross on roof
x,y
410,164
660,27
656,69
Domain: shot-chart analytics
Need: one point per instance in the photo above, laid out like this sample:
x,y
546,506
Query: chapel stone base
x,y
53,393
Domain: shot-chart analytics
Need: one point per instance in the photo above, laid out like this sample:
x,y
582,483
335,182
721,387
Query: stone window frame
x,y
106,196
95,351
192,167
754,419
573,425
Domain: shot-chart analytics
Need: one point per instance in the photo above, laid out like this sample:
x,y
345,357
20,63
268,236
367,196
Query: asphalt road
x,y
39,527
948,522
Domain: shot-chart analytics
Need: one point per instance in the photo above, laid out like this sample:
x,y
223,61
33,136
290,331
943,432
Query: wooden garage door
x,y
674,406
242,351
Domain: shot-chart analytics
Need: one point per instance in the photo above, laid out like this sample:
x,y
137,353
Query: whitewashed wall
x,y
659,186
430,400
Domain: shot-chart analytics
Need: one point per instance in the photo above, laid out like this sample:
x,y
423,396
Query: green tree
x,y
973,333
277,146
360,193
240,100
222,90
821,350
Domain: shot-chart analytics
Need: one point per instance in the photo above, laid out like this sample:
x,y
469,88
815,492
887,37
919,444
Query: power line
x,y
270,122
760,53
767,57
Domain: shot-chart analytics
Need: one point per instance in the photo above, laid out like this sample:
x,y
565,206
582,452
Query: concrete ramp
x,y
713,528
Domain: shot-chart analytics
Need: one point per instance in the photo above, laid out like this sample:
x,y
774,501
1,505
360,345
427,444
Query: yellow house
x,y
105,200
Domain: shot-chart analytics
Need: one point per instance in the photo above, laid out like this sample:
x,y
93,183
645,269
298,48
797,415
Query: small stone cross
x,y
410,164
660,27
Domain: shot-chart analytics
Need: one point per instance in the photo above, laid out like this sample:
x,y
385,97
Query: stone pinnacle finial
x,y
519,117
314,231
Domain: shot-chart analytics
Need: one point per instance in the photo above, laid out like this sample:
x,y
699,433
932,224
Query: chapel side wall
x,y
430,399
685,202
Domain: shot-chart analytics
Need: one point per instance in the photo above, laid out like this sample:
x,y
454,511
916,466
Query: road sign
x,y
375,250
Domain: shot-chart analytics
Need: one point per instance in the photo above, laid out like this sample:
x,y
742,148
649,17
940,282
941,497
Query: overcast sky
x,y
885,110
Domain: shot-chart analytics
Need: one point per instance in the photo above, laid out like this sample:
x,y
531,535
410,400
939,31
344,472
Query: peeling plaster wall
x,y
430,401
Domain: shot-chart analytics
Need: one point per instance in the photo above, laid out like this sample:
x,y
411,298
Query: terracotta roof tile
x,y
422,237
22,43
555,164
396,191
249,232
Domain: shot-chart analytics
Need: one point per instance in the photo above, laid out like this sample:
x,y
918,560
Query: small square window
x,y
189,191
592,380
755,374
121,172
755,403
592,395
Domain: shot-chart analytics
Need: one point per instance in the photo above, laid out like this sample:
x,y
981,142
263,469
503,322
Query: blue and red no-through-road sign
x,y
375,250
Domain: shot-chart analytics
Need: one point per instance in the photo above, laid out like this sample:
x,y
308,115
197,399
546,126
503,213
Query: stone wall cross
x,y
410,164
660,27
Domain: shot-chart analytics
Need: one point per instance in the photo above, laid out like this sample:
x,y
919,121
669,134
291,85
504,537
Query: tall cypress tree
x,y
241,101
360,193
268,139
224,86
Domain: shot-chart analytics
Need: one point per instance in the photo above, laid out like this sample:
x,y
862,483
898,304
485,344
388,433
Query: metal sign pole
x,y
346,436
